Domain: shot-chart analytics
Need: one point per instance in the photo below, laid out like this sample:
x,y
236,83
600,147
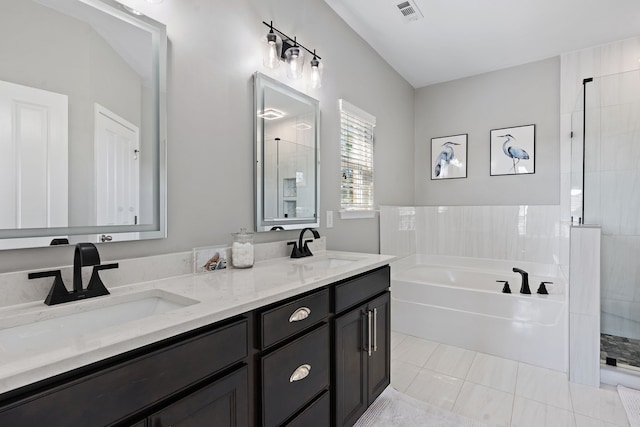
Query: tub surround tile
x,y
529,413
599,403
485,404
494,372
449,360
544,386
414,351
435,388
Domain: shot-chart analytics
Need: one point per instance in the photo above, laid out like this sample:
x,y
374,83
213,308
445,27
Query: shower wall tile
x,y
619,56
575,67
426,224
611,201
450,232
621,88
620,318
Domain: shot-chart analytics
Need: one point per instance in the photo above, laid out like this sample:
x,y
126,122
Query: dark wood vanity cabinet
x,y
315,360
121,390
362,352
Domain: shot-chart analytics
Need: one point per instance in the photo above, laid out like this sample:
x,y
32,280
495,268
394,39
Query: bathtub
x,y
457,301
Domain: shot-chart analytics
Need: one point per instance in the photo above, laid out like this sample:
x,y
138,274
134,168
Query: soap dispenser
x,y
242,249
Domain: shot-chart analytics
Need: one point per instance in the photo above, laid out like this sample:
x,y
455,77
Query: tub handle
x,y
369,332
375,329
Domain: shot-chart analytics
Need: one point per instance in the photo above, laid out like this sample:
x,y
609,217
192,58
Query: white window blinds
x,y
356,141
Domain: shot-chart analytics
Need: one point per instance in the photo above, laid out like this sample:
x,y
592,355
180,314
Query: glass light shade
x,y
316,73
271,51
294,57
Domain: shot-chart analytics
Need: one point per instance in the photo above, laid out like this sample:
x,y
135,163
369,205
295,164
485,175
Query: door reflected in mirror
x,y
287,123
82,122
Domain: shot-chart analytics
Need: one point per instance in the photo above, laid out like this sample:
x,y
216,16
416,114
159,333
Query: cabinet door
x,y
221,404
379,362
351,366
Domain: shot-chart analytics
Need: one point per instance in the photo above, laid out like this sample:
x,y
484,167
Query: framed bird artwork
x,y
449,157
513,150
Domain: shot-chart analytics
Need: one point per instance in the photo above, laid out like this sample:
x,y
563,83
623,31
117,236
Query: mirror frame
x,y
260,82
157,229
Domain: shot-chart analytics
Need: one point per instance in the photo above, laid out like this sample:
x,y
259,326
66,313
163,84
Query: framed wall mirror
x,y
287,126
82,123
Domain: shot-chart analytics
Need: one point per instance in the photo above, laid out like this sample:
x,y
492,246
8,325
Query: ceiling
x,y
461,38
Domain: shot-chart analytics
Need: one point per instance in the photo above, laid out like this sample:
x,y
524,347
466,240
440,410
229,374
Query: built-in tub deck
x,y
458,301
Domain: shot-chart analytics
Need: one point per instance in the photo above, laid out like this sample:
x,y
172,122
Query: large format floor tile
x,y
435,388
496,391
484,404
494,372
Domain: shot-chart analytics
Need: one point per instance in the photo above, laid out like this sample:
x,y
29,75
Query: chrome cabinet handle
x,y
300,314
369,332
375,329
300,373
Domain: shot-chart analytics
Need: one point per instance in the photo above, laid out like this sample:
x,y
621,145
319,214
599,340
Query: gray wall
x,y
214,50
527,94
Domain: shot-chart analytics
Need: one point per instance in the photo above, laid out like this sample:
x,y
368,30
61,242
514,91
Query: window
x,y
356,144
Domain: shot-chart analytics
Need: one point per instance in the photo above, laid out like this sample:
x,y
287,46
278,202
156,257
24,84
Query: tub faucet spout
x,y
524,289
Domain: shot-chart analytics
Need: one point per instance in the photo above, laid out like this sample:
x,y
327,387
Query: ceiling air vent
x,y
409,11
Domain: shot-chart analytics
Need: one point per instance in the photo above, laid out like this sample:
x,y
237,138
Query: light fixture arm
x,y
287,39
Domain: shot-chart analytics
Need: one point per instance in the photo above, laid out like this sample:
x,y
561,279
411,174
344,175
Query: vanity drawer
x,y
283,395
286,320
113,393
316,415
359,289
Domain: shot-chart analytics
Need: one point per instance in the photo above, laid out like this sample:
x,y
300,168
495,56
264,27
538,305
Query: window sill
x,y
356,214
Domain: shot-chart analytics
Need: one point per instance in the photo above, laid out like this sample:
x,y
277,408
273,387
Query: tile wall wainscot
x,y
16,288
519,233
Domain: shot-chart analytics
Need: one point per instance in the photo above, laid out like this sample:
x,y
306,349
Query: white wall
x,y
213,51
522,95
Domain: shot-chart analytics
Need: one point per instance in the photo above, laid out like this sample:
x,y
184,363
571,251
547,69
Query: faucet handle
x,y
305,250
95,285
505,289
58,292
295,252
543,289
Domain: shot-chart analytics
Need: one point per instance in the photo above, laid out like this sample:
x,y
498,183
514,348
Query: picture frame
x,y
212,258
513,150
449,157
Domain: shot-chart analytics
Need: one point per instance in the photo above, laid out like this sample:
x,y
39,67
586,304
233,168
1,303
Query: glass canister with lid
x,y
242,249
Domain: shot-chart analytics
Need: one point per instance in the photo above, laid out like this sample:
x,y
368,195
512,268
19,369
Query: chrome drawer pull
x,y
300,373
375,329
300,314
369,331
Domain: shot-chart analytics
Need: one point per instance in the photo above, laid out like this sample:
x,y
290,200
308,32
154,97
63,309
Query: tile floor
x,y
496,391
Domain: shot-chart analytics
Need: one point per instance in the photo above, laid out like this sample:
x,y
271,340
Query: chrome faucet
x,y
85,255
300,251
524,289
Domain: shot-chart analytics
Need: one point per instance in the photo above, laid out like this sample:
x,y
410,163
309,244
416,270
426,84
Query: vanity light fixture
x,y
279,46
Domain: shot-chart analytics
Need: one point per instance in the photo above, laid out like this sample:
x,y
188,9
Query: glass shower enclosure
x,y
605,190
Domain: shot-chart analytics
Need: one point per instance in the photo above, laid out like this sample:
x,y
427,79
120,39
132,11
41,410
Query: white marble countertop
x,y
219,295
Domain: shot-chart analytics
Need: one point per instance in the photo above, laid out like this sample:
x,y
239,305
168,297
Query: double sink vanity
x,y
287,342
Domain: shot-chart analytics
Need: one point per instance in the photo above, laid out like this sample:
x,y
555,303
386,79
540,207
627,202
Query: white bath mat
x,y
631,402
396,409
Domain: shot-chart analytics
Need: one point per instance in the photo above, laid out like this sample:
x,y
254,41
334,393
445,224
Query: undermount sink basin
x,y
327,262
39,330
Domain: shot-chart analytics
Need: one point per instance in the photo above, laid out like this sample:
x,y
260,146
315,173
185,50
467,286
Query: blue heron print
x,y
515,153
444,158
